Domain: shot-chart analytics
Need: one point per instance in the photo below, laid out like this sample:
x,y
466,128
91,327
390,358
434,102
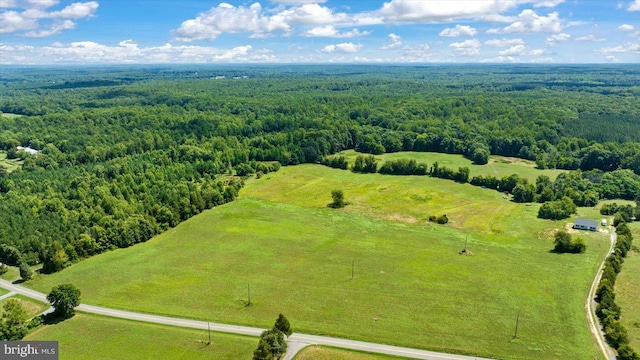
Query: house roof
x,y
586,223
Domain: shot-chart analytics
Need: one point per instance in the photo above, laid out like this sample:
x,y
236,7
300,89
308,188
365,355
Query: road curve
x,y
296,341
594,324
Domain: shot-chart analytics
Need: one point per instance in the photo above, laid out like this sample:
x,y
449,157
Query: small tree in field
x,y
25,271
64,298
14,321
283,325
338,199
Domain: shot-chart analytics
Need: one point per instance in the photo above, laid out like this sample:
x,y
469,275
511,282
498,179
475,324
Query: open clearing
x,y
411,287
628,290
94,337
32,307
9,164
498,166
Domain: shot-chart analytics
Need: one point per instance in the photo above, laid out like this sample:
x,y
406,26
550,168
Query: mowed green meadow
x,y
328,353
9,164
628,290
498,166
410,285
94,337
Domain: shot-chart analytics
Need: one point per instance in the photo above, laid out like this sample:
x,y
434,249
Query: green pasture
x,y
498,166
328,353
9,115
410,286
13,273
32,307
94,337
9,164
628,290
3,291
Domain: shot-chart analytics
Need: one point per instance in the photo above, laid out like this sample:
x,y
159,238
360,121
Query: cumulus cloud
x,y
443,11
128,51
556,38
537,52
626,48
467,48
331,31
504,42
626,27
529,22
345,48
514,50
394,42
635,6
226,18
459,30
32,18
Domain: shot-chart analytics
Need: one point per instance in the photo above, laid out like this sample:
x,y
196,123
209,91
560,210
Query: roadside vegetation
x,y
95,337
328,353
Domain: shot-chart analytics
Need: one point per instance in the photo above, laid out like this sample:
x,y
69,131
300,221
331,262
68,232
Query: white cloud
x,y
537,52
459,30
443,10
635,34
499,59
626,27
128,51
226,18
611,58
346,48
530,22
556,38
626,48
35,21
514,50
467,48
504,42
331,31
590,37
394,42
298,2
635,6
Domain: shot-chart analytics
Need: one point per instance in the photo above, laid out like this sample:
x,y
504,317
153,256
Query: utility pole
x,y
248,294
209,328
465,243
352,265
517,321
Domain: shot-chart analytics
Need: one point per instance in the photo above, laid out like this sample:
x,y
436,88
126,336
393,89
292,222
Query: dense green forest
x,y
127,152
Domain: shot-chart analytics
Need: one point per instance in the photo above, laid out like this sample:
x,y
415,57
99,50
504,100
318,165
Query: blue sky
x,y
319,31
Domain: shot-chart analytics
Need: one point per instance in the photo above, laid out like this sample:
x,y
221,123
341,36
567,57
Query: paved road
x,y
594,325
296,341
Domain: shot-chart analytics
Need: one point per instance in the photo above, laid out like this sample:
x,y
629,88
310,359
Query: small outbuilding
x,y
584,224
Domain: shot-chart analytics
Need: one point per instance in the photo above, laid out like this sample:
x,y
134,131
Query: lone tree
x,y
25,271
338,199
283,325
272,344
64,298
14,321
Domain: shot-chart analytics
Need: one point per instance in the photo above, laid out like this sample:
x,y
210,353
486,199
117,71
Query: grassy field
x,y
628,290
411,287
32,307
498,166
3,291
328,353
93,337
10,165
12,274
